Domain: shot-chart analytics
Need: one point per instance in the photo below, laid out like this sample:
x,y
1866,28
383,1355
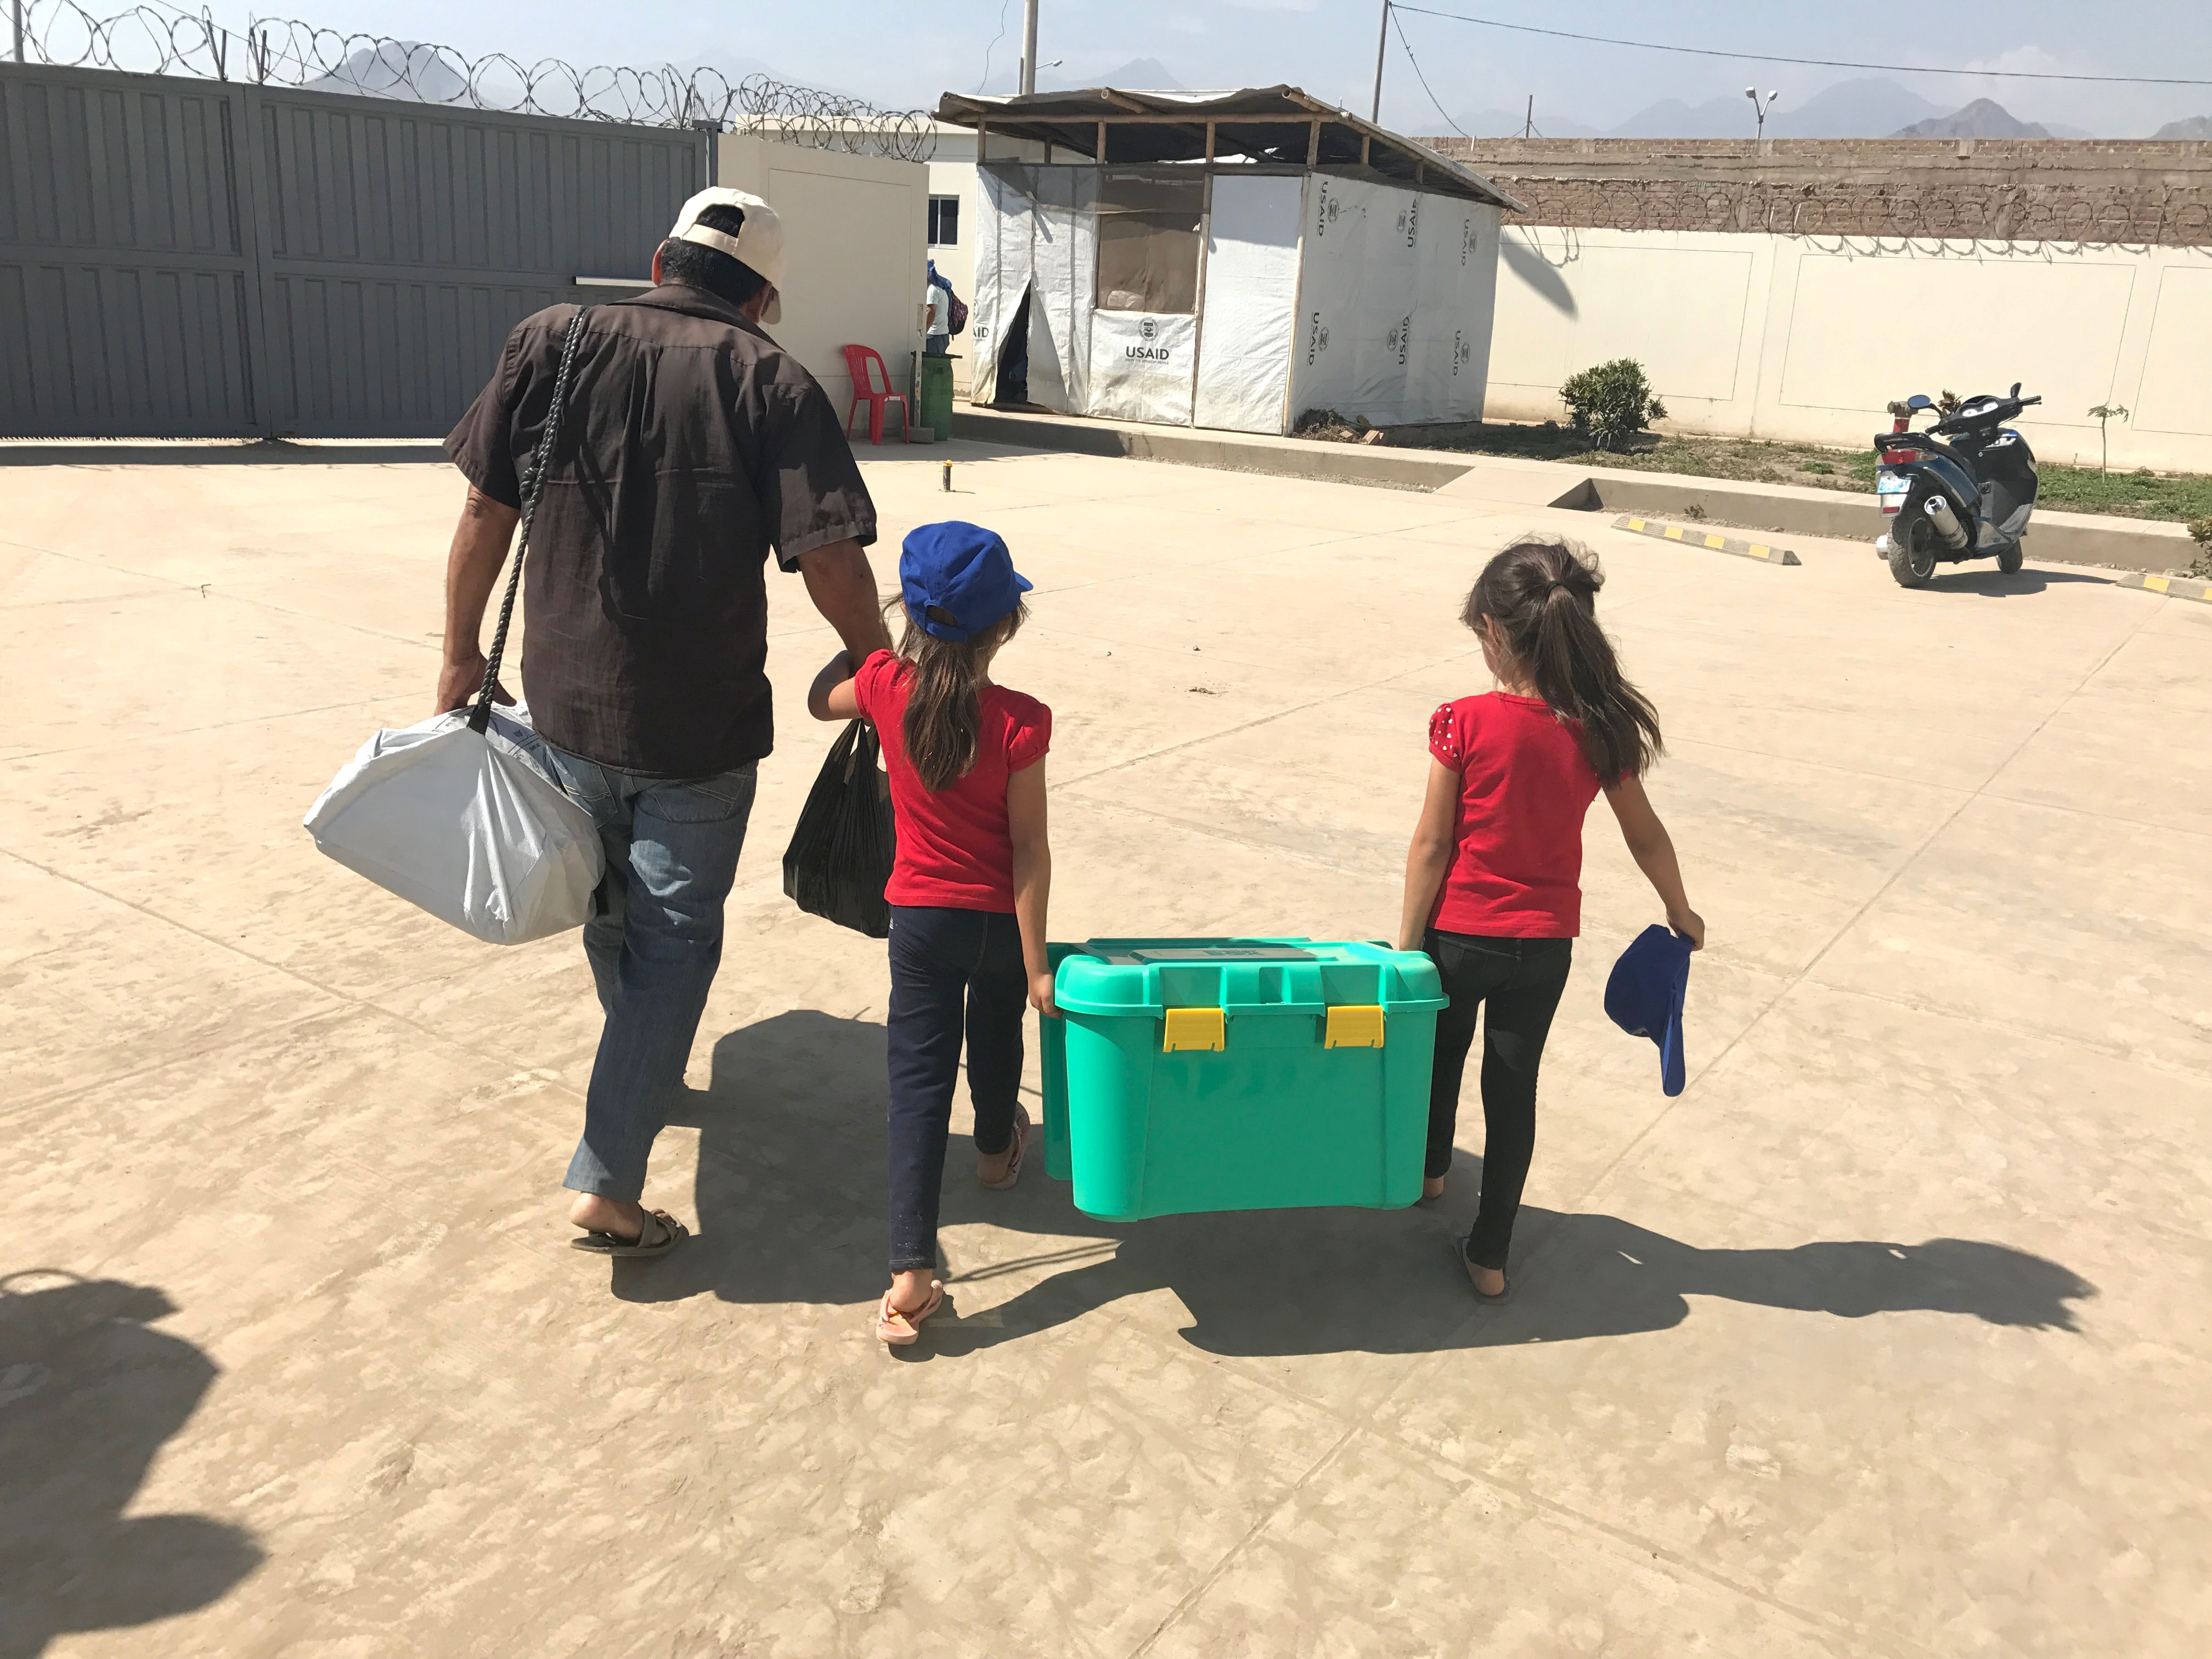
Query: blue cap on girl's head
x,y
958,579
1645,995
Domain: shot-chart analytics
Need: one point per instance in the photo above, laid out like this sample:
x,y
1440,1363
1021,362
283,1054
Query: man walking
x,y
691,446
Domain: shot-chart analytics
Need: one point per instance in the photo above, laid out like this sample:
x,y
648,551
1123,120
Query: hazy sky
x,y
907,54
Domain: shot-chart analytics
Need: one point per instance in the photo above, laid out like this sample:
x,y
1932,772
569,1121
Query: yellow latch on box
x,y
1195,1028
1354,1027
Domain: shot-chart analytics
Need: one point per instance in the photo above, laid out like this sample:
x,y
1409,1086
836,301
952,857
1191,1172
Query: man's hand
x,y
459,682
1040,997
480,543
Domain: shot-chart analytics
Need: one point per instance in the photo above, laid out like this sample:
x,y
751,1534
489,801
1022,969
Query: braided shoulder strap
x,y
533,487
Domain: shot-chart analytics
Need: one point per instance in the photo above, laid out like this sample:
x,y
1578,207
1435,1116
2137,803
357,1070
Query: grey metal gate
x,y
182,257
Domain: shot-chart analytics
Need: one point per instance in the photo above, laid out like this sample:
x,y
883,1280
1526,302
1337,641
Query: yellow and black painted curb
x,y
2174,588
1689,536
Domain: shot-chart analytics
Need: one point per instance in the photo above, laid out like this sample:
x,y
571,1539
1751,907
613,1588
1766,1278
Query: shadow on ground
x,y
89,1391
1995,584
264,452
790,1202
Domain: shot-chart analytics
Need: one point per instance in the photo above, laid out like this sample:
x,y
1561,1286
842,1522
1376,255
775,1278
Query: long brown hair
x,y
1542,595
944,697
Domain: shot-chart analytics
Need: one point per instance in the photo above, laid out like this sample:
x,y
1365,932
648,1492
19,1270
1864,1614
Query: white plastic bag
x,y
460,814
469,826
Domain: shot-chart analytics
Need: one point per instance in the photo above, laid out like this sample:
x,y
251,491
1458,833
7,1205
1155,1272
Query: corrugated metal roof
x,y
1265,124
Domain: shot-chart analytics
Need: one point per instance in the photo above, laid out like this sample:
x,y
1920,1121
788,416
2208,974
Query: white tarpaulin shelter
x,y
1207,281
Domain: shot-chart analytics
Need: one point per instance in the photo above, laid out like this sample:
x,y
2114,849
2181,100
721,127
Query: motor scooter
x,y
1969,498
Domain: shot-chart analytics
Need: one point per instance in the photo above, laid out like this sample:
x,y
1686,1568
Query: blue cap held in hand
x,y
1643,996
958,580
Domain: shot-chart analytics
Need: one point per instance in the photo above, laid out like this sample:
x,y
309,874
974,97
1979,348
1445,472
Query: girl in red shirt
x,y
968,886
1493,878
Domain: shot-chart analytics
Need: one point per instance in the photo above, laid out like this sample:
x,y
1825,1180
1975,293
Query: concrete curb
x,y
1227,452
1780,509
1690,536
2174,588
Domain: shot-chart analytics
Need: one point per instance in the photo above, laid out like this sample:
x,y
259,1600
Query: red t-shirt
x,y
1524,785
955,852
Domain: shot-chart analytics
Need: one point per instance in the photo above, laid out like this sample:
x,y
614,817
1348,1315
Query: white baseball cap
x,y
757,245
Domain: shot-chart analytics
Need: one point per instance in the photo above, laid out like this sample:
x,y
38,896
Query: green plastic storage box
x,y
1197,1074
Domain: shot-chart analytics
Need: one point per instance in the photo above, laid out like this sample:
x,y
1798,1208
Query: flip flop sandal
x,y
903,1330
660,1233
1021,1149
1459,1255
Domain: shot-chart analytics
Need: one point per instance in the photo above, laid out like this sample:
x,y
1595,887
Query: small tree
x,y
2102,414
1611,402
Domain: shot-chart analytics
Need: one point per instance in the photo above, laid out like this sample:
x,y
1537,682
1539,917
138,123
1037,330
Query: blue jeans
x,y
655,940
954,973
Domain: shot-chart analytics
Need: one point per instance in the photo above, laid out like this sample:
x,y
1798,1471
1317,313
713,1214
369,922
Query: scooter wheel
x,y
1911,566
2010,560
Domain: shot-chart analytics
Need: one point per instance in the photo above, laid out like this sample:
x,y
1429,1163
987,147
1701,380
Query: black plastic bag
x,y
840,856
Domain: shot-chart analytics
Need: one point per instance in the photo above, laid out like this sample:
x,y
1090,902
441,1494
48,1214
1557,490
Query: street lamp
x,y
1759,107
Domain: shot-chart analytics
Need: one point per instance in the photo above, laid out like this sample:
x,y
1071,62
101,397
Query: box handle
x,y
1195,1028
1352,1025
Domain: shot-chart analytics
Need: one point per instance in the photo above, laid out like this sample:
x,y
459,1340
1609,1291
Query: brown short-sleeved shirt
x,y
692,445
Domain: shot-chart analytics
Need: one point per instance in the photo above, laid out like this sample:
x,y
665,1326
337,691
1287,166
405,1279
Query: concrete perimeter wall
x,y
1806,338
856,232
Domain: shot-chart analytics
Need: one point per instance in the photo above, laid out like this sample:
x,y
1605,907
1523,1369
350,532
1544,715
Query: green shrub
x,y
1611,402
2202,529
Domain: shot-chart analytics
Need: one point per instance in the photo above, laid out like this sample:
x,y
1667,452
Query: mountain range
x,y
1867,108
1982,118
1137,75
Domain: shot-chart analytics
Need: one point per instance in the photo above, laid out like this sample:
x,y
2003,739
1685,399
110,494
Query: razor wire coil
x,y
159,38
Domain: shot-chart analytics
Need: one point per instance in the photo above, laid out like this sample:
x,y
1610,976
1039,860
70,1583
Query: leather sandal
x,y
902,1330
659,1234
1021,1145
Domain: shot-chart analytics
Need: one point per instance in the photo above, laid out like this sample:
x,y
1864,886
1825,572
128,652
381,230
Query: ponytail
x,y
1541,596
943,700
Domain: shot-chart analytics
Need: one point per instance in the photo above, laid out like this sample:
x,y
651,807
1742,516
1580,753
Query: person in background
x,y
968,889
1493,877
692,447
937,316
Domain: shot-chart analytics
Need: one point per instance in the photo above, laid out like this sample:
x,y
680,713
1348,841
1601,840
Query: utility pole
x,y
1029,46
1381,44
1528,126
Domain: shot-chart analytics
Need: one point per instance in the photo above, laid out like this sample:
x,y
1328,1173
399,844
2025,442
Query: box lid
x,y
1241,976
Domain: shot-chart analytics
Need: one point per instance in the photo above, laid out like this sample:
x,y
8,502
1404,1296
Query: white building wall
x,y
1807,338
856,232
1395,293
1250,303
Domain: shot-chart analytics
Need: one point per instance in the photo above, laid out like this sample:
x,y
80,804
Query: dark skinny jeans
x,y
1521,979
951,971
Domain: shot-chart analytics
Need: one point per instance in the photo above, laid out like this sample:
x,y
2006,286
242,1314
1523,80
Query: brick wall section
x,y
2130,191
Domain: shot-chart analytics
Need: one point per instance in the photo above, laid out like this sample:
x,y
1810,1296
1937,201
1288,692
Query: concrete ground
x,y
1888,1337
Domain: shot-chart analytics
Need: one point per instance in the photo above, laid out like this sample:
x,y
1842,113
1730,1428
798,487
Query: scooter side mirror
x,y
2014,392
1920,400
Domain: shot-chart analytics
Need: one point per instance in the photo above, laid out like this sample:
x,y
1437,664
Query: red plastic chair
x,y
867,369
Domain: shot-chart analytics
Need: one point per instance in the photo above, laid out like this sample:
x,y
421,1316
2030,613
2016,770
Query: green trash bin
x,y
1190,1075
934,395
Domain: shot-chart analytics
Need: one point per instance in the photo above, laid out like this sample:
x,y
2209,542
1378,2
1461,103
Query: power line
x,y
1392,15
1816,63
993,46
